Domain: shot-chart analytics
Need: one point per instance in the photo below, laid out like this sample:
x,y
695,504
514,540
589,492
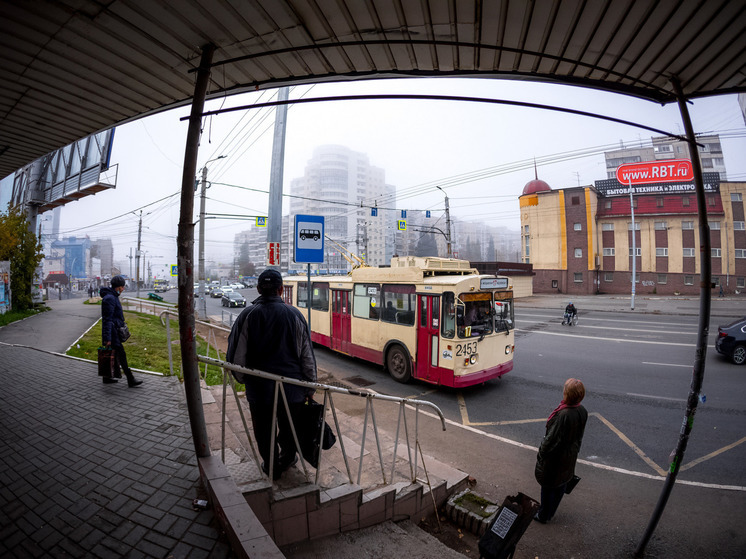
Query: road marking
x,y
656,397
666,364
596,338
593,318
466,421
711,455
630,444
582,461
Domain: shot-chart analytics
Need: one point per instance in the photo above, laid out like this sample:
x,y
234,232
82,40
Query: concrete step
x,y
306,504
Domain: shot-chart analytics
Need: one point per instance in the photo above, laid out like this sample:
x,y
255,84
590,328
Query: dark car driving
x,y
731,341
233,299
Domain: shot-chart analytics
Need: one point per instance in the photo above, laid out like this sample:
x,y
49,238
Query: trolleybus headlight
x,y
507,350
473,359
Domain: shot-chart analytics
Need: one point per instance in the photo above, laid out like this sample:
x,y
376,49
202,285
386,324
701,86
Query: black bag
x,y
571,484
507,527
124,333
108,365
308,429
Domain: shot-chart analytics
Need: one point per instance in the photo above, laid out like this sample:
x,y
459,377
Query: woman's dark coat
x,y
112,316
555,463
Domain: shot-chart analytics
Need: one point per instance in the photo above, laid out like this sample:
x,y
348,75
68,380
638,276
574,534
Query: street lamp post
x,y
448,224
202,311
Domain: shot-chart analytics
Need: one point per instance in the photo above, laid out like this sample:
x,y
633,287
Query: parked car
x,y
233,299
731,341
216,292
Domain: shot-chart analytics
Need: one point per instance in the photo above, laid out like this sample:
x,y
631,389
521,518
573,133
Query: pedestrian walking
x,y
721,291
112,321
558,452
90,291
273,337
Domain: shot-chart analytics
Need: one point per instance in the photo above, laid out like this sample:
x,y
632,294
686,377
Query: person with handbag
x,y
273,337
114,329
558,452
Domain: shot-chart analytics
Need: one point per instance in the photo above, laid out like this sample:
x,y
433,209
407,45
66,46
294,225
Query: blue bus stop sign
x,y
309,239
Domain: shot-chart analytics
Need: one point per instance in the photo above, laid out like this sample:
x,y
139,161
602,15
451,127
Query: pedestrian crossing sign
x,y
402,225
261,221
174,270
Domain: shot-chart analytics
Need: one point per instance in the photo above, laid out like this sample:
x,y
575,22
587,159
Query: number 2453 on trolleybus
x,y
432,319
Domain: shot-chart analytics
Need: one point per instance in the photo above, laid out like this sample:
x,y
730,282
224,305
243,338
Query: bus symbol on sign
x,y
314,234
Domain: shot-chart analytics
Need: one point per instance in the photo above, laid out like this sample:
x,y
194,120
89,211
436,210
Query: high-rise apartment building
x,y
342,186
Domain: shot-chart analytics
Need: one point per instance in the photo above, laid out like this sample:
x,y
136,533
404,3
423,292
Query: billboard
x,y
612,187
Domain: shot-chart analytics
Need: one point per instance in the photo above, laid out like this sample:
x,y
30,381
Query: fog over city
x,y
480,154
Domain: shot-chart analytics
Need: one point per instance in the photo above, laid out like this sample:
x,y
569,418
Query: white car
x,y
226,289
237,285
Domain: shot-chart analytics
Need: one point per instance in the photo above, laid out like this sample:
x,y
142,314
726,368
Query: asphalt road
x,y
637,371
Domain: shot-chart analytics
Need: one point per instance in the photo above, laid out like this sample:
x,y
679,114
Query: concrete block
x,y
291,529
289,507
324,521
260,504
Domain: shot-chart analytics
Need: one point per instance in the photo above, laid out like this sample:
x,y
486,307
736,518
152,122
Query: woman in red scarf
x,y
555,463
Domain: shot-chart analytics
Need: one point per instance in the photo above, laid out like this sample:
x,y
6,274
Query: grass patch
x,y
147,348
13,316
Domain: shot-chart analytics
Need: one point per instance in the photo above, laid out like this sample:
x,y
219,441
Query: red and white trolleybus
x,y
432,319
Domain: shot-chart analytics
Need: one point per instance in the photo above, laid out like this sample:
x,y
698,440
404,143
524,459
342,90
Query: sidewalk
x,y
93,470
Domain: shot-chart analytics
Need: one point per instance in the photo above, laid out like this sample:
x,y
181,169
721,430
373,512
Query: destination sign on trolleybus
x,y
670,170
493,283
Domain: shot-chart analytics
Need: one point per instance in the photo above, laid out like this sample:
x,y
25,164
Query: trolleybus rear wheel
x,y
398,364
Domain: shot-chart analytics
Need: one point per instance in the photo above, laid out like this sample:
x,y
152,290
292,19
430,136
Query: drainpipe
x,y
705,294
185,260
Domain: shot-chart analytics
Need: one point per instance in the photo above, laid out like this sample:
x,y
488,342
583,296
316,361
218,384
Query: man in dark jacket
x,y
112,318
273,337
558,453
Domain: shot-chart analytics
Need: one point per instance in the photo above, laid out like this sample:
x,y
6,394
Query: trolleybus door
x,y
340,320
428,327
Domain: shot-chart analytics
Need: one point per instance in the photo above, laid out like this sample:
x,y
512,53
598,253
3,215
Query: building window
x,y
607,227
688,280
716,253
662,278
740,253
527,246
525,229
609,251
659,202
634,203
629,226
607,204
738,226
736,197
715,226
578,277
555,284
608,276
710,200
637,277
638,251
688,252
685,201
575,200
578,253
577,227
740,283
661,251
686,225
660,225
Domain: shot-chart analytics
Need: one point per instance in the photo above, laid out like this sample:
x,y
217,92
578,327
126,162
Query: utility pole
x,y
448,224
137,255
274,225
130,257
202,307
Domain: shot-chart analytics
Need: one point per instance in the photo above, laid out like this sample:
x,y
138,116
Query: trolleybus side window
x,y
302,294
320,296
287,294
398,303
448,327
503,312
366,300
476,319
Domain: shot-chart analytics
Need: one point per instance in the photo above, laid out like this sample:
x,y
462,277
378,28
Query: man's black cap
x,y
269,278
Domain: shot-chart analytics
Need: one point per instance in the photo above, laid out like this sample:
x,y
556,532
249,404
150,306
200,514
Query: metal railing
x,y
279,395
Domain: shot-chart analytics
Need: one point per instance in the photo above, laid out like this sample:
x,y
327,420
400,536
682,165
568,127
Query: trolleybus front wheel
x,y
398,364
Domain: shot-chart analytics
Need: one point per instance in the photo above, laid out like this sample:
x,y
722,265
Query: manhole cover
x,y
358,381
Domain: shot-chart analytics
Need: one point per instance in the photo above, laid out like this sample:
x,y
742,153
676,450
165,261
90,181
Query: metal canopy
x,y
74,67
